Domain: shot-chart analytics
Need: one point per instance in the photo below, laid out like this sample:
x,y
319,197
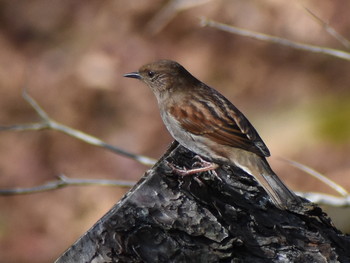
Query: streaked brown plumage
x,y
205,122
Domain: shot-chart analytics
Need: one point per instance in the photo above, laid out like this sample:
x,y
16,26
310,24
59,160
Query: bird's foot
x,y
199,161
206,166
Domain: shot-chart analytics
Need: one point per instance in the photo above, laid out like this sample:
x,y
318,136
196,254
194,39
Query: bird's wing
x,y
226,125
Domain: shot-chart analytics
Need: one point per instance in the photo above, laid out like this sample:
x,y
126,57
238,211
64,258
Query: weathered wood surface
x,y
206,218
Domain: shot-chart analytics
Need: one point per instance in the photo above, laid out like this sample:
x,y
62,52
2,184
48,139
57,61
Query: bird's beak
x,y
134,75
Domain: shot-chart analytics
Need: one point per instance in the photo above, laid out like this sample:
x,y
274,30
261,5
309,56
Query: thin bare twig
x,y
64,181
321,198
325,199
330,30
276,40
48,123
168,12
318,176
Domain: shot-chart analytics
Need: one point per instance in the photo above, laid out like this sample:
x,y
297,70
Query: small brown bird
x,y
208,124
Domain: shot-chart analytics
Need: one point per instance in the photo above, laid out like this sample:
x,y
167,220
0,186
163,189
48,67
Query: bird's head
x,y
163,76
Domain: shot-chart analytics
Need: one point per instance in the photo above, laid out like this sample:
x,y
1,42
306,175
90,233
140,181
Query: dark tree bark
x,y
207,218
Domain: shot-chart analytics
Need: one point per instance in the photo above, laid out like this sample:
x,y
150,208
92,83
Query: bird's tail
x,y
258,167
281,196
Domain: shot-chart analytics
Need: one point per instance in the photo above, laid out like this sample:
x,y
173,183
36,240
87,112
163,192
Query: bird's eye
x,y
151,74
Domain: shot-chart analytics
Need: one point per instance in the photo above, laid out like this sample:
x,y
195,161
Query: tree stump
x,y
209,217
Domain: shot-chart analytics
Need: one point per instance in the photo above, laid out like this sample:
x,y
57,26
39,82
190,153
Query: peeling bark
x,y
207,217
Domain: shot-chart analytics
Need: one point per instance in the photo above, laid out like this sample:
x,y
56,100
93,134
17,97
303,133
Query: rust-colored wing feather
x,y
226,125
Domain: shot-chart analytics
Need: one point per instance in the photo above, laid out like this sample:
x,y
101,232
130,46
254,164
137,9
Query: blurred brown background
x,y
71,56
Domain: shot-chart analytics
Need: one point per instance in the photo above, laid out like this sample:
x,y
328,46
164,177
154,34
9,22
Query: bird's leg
x,y
206,166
